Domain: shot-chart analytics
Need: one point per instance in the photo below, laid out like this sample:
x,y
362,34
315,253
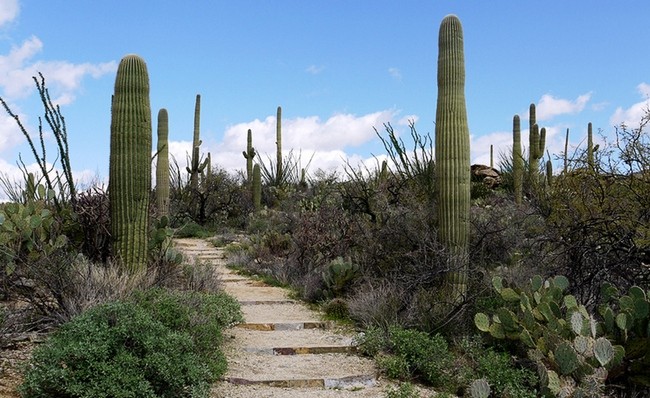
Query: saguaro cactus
x,y
130,163
162,164
452,154
195,167
590,146
566,152
257,188
249,155
278,143
537,142
517,160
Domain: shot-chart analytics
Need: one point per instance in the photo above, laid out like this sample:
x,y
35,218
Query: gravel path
x,y
284,349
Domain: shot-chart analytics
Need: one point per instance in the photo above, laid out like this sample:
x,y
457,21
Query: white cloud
x,y
395,73
8,11
315,69
548,106
62,77
633,115
324,142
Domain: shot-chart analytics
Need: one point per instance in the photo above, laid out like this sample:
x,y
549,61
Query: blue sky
x,y
336,67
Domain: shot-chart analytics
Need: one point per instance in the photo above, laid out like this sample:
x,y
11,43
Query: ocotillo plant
x,y
517,160
249,155
162,164
278,143
196,167
452,154
257,188
130,163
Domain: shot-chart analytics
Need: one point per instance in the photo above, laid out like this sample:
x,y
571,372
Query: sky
x,y
338,68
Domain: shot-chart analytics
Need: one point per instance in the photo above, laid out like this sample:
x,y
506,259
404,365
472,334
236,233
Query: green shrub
x,y
201,315
404,390
116,350
427,356
404,353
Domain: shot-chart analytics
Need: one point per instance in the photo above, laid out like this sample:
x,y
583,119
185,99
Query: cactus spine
x,y
162,164
517,160
453,154
196,167
130,163
249,155
278,143
257,188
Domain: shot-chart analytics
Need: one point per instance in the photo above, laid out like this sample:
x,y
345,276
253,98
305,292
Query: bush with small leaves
x,y
117,350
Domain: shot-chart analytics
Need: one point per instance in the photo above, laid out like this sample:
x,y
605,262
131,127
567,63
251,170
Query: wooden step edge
x,y
285,325
315,350
266,302
346,382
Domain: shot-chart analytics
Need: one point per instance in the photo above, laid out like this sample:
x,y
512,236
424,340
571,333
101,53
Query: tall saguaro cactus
x,y
278,143
195,167
537,142
257,188
130,163
590,146
517,160
249,155
162,164
452,154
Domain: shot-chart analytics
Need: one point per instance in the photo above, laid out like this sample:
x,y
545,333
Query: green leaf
x,y
561,282
496,331
482,322
497,283
637,293
536,282
607,291
603,351
570,301
508,294
35,221
624,321
566,358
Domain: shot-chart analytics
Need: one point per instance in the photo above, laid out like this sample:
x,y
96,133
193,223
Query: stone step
x,y
285,325
241,290
263,368
278,313
345,382
266,302
333,349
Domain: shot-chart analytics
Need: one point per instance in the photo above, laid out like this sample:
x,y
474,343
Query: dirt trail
x,y
283,349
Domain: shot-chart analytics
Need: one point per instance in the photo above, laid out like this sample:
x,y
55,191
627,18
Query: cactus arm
x,y
517,160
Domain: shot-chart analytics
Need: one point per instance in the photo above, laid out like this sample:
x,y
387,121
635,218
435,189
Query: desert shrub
x,y
90,232
377,306
221,199
117,350
403,390
201,315
505,377
407,353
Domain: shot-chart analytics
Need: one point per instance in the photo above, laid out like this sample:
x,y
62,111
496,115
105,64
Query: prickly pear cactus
x,y
452,154
561,336
130,163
